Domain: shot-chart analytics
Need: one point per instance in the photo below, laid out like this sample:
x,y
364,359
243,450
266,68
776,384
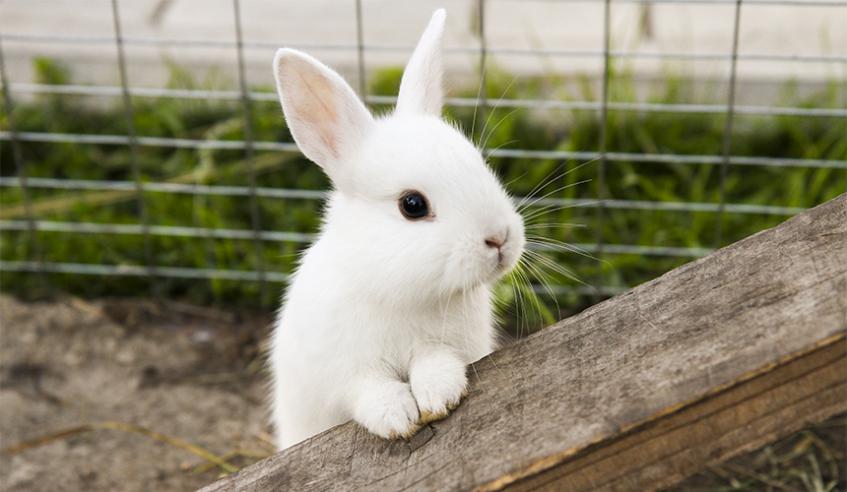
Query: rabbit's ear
x,y
326,118
421,89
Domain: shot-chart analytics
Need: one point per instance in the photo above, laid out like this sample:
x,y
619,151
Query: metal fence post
x,y
726,146
482,97
603,144
20,167
360,52
255,212
135,165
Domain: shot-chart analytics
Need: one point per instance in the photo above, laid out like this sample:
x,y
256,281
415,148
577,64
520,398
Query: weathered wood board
x,y
712,359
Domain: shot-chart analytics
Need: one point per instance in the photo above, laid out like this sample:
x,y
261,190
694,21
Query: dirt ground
x,y
185,372
104,384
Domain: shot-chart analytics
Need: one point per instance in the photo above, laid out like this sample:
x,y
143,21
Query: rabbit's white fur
x,y
384,313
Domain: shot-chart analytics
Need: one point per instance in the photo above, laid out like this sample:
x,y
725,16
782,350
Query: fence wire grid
x,y
360,50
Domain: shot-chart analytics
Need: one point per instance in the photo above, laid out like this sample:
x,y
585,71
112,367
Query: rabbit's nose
x,y
493,242
497,240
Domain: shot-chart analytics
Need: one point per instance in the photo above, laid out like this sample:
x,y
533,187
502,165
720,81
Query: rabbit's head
x,y
416,212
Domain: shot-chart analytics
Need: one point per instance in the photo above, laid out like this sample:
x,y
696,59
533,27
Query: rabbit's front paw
x,y
388,410
438,383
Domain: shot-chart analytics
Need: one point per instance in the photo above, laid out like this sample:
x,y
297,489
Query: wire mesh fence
x,y
719,204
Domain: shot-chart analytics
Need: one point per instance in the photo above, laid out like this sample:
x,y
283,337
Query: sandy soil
x,y
182,371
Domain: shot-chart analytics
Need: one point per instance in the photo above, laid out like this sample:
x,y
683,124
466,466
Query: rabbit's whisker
x,y
547,209
531,271
562,247
552,265
529,297
519,300
552,177
494,107
495,149
494,129
476,106
555,245
528,302
553,225
506,185
544,281
561,188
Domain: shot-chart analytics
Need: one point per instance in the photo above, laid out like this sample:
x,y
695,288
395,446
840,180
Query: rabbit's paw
x,y
438,383
388,410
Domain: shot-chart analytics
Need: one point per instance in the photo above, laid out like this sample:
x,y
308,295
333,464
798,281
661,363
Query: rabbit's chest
x,y
466,332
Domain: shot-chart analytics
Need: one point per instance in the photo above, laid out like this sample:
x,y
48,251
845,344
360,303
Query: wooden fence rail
x,y
714,358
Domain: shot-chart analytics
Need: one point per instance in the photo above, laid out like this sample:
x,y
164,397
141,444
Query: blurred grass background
x,y
505,128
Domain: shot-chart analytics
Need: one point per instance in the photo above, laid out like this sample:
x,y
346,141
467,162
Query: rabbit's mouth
x,y
504,262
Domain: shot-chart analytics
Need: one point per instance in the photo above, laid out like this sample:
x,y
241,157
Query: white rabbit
x,y
393,300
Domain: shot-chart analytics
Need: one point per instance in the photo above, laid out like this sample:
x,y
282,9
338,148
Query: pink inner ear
x,y
314,115
323,113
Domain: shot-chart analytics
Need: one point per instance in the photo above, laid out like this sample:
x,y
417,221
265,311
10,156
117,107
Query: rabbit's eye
x,y
413,205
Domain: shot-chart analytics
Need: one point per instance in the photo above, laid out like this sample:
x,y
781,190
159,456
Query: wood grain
x,y
712,359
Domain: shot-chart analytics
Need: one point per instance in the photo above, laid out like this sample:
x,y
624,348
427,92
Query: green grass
x,y
648,132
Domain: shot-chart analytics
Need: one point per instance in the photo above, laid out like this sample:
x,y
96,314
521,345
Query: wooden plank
x,y
712,359
742,417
